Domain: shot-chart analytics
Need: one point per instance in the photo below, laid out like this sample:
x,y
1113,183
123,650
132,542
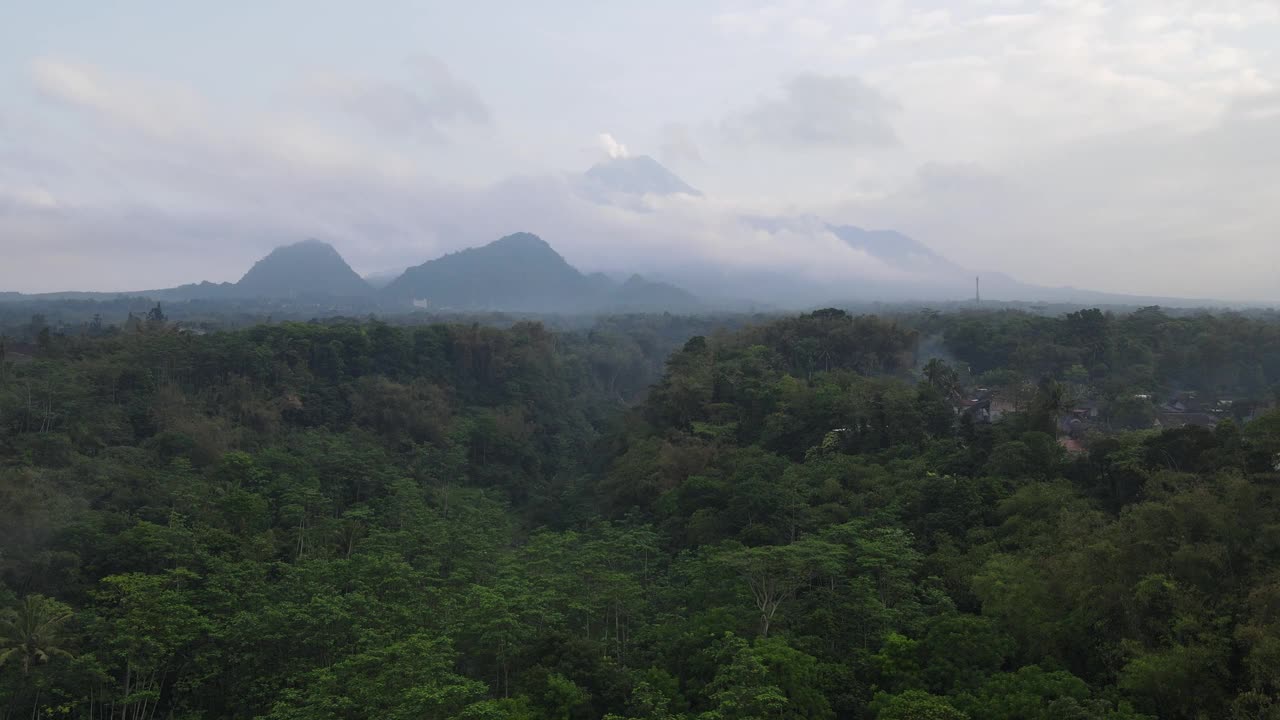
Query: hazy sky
x,y
1124,146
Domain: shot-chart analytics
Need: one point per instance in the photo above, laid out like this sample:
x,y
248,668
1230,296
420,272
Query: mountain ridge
x,y
521,271
517,270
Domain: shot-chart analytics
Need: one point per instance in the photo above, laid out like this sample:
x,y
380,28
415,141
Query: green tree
x,y
561,697
32,633
648,703
150,625
915,705
742,688
941,376
409,679
773,573
1029,694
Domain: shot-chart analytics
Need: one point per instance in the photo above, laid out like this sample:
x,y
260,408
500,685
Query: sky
x,y
1119,146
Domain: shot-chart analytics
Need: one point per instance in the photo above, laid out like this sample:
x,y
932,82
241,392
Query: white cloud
x,y
163,114
1074,130
677,145
205,198
1179,213
611,147
818,111
29,197
429,103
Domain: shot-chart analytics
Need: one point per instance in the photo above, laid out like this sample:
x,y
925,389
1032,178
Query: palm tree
x,y
1047,405
942,377
31,633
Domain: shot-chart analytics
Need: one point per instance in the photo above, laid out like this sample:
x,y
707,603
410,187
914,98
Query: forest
x,y
645,517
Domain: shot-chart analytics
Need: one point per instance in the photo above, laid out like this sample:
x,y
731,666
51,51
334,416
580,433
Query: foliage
x,y
802,518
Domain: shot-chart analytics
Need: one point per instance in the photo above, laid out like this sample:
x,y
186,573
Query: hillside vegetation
x,y
801,518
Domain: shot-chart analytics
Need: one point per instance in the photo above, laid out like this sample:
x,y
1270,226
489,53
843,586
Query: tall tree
x,y
773,573
31,633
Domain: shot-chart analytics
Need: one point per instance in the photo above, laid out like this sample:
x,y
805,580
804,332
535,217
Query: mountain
x,y
307,268
517,272
639,175
522,273
379,280
935,277
893,249
911,272
639,294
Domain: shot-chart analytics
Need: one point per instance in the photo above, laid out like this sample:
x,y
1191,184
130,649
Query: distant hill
x,y
307,268
194,291
310,269
517,272
379,280
893,248
638,294
601,282
639,175
521,272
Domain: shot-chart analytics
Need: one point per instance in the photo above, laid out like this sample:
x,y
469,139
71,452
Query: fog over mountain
x,y
641,175
518,273
658,225
1127,148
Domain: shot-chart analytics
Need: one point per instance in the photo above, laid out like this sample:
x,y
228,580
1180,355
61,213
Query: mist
x,y
949,125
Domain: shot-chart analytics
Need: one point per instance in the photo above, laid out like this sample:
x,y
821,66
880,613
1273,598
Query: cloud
x,y
1177,212
989,77
163,113
427,106
203,197
239,190
678,146
168,140
611,147
134,177
1129,146
819,111
380,226
35,198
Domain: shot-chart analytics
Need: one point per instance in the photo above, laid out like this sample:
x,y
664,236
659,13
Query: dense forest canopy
x,y
917,515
